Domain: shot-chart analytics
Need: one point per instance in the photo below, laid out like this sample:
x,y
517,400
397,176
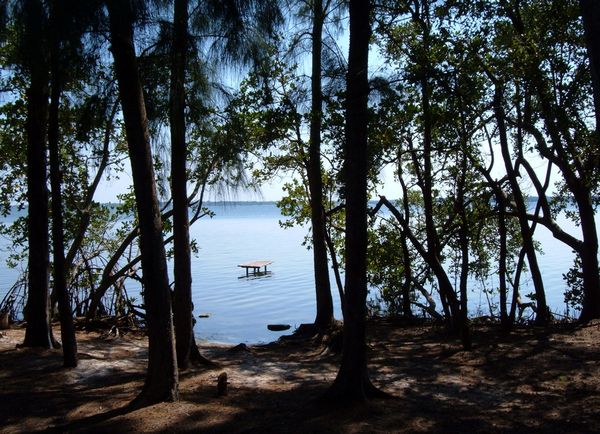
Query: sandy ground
x,y
530,381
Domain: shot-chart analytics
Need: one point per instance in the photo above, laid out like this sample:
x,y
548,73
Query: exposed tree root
x,y
197,359
351,391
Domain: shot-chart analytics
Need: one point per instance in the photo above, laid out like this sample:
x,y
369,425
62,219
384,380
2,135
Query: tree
x,y
281,94
570,147
428,115
57,26
542,313
182,273
233,22
352,383
38,332
324,315
161,378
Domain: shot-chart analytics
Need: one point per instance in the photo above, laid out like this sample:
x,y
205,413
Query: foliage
x,y
574,280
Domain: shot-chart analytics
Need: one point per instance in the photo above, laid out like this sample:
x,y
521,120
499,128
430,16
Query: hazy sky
x,y
108,190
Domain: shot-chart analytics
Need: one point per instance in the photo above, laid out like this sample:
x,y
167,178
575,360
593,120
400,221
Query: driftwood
x,y
278,327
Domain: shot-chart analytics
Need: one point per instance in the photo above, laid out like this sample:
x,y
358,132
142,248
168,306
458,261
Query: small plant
x,y
574,280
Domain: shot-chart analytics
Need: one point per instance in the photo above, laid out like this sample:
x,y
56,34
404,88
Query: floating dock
x,y
255,266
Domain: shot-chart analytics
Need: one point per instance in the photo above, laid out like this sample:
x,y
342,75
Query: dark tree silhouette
x,y
352,382
315,182
182,272
67,329
186,347
38,332
161,378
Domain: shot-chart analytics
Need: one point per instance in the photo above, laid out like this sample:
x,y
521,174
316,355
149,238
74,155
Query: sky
x,y
109,190
272,192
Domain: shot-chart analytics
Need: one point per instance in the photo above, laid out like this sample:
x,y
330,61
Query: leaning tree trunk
x,y
447,294
37,312
161,378
186,347
321,269
67,329
352,382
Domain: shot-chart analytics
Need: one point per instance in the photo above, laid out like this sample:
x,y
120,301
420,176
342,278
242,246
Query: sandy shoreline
x,y
530,381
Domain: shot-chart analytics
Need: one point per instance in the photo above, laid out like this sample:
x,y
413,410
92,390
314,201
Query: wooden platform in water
x,y
255,266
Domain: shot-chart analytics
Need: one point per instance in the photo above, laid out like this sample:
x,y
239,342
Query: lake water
x,y
240,308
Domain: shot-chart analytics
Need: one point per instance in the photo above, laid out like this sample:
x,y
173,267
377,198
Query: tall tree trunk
x,y
321,269
182,307
186,347
352,382
589,255
67,329
542,315
38,332
162,378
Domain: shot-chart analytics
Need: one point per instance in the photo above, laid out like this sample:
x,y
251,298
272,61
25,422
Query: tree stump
x,y
4,321
222,384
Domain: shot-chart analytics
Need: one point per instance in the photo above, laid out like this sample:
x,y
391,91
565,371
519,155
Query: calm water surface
x,y
240,308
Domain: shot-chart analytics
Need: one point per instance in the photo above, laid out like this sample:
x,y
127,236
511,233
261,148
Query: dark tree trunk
x,y
407,259
406,284
504,319
516,283
352,382
589,257
465,332
182,307
162,378
590,10
67,329
321,269
542,315
186,347
38,332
